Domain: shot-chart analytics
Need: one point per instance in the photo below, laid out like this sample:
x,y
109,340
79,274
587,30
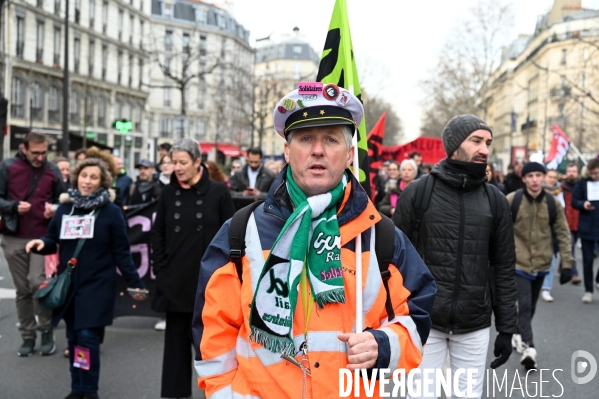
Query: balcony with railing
x,y
37,114
101,121
562,91
54,116
17,110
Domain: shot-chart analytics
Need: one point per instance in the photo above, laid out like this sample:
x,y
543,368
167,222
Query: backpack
x,y
384,246
422,199
550,207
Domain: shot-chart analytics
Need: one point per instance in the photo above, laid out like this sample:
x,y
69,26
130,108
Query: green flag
x,y
338,66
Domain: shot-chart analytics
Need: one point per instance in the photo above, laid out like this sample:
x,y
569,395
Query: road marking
x,y
8,293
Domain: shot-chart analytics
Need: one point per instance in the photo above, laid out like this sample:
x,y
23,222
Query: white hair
x,y
411,163
347,130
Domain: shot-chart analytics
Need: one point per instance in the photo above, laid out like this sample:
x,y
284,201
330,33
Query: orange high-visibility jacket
x,y
231,366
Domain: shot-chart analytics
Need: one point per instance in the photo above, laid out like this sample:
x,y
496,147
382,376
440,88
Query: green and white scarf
x,y
310,236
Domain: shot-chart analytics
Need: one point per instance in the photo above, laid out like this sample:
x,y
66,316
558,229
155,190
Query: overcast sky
x,y
396,41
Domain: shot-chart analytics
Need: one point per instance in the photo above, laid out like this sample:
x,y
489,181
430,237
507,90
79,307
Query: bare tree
x,y
374,107
470,55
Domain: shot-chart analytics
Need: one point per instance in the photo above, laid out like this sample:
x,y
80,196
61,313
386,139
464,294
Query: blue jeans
x,y
588,258
548,282
85,380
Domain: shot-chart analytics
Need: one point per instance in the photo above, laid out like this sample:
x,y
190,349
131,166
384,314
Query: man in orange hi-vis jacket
x,y
282,324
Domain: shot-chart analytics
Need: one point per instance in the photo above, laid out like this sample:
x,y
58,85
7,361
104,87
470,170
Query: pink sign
x,y
310,88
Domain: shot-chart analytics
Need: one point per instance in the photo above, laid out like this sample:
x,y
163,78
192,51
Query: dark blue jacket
x,y
123,183
93,283
588,221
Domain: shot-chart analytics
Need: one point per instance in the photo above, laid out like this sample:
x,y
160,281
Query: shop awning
x,y
229,150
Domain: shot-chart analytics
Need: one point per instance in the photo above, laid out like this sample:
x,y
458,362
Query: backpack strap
x,y
422,199
384,247
552,209
516,204
237,235
494,196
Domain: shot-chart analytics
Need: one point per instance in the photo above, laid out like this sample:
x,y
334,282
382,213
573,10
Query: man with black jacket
x,y
29,185
253,179
513,180
470,255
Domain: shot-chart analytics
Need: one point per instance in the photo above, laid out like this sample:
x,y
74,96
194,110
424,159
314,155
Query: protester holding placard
x,y
586,199
91,234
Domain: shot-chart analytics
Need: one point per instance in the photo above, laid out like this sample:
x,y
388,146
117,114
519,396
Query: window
x,y
563,81
297,51
77,51
57,7
166,126
564,56
104,16
130,70
54,104
167,64
77,11
20,36
89,110
90,56
126,111
117,109
74,105
130,29
141,34
562,110
141,72
56,47
186,42
120,24
223,47
201,98
137,117
203,42
200,130
167,97
39,38
119,62
168,40
583,80
104,60
101,111
92,13
37,99
17,98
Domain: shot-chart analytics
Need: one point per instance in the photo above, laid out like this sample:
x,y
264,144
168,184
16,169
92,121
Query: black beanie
x,y
533,167
459,128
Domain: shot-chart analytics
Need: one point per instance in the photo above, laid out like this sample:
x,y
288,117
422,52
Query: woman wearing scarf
x,y
190,211
90,303
407,171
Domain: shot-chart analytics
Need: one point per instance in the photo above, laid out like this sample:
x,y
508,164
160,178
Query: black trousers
x,y
528,296
177,368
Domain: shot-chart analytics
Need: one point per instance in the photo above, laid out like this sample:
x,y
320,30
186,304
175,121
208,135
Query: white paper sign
x,y
75,227
593,190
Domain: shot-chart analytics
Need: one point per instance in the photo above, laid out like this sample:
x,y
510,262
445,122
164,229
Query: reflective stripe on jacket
x,y
230,366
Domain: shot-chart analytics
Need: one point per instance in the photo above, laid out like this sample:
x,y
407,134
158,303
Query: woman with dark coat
x,y
90,303
191,210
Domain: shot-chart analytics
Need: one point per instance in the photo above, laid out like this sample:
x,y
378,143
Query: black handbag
x,y
53,293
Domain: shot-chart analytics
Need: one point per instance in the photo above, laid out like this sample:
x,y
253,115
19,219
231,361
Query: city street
x,y
132,354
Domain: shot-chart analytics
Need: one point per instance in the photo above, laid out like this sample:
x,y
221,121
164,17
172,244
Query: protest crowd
x,y
268,275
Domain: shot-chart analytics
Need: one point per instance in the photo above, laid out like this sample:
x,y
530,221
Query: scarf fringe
x,y
282,345
332,296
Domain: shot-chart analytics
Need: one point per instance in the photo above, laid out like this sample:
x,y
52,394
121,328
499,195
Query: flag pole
x,y
349,76
584,161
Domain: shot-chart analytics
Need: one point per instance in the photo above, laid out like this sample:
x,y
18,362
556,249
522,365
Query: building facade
x,y
106,64
279,66
201,74
544,79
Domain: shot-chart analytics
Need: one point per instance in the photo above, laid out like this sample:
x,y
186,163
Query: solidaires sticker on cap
x,y
330,91
289,104
343,98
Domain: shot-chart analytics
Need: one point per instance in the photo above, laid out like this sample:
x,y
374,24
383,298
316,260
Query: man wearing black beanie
x,y
462,228
534,250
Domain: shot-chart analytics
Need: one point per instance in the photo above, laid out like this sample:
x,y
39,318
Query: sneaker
x,y
27,348
546,295
48,345
517,343
576,280
75,395
161,325
587,297
529,359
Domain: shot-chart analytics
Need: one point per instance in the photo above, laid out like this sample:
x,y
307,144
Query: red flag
x,y
560,144
375,150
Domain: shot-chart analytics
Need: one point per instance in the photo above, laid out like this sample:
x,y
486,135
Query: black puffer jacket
x,y
457,243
